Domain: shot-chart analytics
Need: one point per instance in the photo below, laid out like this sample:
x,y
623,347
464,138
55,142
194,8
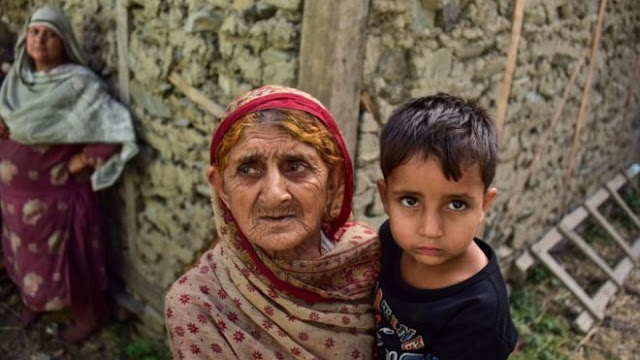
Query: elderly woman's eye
x,y
247,169
409,201
297,166
457,205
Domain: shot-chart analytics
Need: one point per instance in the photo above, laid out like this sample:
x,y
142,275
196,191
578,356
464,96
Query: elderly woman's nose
x,y
275,187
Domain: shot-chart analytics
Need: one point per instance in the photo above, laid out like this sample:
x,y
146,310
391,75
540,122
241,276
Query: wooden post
x,y
626,119
516,195
512,56
122,39
595,44
331,59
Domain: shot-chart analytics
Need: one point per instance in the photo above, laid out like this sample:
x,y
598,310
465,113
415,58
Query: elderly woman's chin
x,y
287,238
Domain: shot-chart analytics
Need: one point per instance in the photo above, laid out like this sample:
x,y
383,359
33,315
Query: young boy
x,y
440,295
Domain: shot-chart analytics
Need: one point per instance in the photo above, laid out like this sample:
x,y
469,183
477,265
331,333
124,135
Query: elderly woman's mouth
x,y
278,218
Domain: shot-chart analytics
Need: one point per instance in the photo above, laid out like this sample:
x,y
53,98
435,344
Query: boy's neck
x,y
454,271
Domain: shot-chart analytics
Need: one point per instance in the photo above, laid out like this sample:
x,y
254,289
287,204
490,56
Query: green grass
x,y
135,347
145,349
542,327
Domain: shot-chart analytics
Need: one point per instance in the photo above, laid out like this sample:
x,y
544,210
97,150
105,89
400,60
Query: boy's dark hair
x,y
457,132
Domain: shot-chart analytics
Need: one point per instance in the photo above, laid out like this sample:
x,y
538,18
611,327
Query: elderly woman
x,y
63,137
291,276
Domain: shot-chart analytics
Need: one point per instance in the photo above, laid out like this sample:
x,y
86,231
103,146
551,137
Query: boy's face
x,y
434,220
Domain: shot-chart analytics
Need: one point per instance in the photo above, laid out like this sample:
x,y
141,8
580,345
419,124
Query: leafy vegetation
x,y
541,325
144,349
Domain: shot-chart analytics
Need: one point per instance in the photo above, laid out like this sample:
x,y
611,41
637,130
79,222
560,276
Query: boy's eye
x,y
457,205
409,201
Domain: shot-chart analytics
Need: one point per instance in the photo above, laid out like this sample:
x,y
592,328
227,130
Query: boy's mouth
x,y
428,250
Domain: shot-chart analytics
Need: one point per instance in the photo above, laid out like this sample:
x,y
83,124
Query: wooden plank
x,y
548,241
575,217
595,44
595,200
616,183
604,294
512,56
196,96
570,283
612,231
525,261
575,238
584,322
331,59
623,205
122,42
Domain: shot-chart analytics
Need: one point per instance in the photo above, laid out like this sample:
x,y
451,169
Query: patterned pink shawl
x,y
237,303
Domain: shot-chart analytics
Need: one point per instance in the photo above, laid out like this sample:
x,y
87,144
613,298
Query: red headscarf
x,y
282,97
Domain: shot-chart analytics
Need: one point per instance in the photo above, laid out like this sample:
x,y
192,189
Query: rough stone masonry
x,y
413,48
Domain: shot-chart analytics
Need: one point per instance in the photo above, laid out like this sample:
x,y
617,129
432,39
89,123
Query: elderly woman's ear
x,y
214,177
335,194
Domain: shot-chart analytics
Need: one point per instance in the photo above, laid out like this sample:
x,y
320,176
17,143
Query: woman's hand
x,y
80,162
4,130
5,67
77,163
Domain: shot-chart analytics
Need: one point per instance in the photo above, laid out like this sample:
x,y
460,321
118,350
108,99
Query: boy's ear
x,y
382,191
214,176
488,197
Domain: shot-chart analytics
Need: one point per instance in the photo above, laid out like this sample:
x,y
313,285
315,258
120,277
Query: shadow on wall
x,y
7,40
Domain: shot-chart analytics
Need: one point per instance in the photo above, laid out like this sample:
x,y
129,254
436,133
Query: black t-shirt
x,y
468,320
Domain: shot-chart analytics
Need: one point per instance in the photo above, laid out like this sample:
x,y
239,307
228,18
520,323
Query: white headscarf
x,y
66,105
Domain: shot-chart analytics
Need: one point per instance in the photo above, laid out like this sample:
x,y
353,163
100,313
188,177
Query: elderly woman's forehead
x,y
270,134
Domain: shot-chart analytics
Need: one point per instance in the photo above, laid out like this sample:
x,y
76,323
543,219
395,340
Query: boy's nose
x,y
431,225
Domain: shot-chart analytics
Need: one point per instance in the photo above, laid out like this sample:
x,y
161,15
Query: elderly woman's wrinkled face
x,y
45,47
278,190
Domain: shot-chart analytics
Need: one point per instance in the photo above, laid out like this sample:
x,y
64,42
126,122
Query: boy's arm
x,y
479,332
486,345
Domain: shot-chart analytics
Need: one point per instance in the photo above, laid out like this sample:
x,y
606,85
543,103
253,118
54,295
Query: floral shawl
x,y
237,303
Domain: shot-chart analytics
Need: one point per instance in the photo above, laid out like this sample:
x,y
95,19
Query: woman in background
x,y
63,138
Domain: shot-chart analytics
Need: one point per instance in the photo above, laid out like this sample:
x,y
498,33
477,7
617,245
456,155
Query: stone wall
x,y
413,48
221,47
419,47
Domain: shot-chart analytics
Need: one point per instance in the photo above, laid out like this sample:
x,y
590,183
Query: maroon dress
x,y
52,241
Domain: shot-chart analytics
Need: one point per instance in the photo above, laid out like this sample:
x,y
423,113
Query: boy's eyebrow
x,y
464,196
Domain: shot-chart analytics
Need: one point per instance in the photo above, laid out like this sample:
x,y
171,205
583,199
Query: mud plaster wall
x,y
413,48
416,48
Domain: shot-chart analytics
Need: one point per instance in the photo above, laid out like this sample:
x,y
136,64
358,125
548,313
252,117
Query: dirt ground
x,y
618,336
42,339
